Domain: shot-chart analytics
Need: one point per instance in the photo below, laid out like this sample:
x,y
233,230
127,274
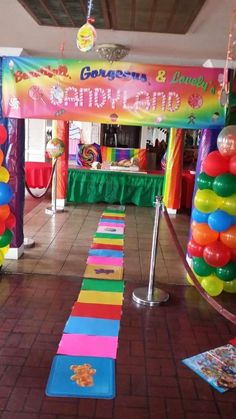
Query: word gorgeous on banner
x,y
121,93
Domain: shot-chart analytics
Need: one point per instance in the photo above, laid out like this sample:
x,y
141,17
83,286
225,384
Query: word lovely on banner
x,y
122,93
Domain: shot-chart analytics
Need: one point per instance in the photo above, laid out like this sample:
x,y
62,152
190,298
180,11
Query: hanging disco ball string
x,y
86,35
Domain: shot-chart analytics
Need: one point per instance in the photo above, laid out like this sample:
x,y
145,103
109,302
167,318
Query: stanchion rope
x,y
225,313
47,187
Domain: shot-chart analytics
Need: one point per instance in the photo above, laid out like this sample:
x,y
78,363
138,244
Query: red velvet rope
x,y
225,313
47,187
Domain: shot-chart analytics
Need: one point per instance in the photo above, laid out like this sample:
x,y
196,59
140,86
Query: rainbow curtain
x,y
110,154
173,174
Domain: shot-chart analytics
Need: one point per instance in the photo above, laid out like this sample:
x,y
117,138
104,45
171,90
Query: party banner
x,y
119,92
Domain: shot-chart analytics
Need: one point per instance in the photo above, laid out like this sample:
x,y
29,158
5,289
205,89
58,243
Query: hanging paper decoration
x,y
86,36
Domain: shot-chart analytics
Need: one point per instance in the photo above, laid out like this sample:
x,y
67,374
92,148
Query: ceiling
x,y
160,16
181,32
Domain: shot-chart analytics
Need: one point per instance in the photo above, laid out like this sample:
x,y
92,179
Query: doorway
x,y
124,136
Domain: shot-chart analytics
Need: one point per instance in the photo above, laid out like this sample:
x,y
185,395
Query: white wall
x,y
35,139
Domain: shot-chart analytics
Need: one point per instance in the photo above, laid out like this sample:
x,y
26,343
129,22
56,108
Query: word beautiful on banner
x,y
122,93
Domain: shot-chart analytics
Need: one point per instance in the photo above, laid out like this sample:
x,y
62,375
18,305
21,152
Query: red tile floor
x,y
151,381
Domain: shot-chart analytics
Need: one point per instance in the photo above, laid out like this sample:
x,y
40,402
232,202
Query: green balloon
x,y
227,272
230,286
6,238
204,181
201,267
225,184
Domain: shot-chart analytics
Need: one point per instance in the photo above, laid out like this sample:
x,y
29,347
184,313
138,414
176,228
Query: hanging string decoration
x,y
86,35
213,244
229,58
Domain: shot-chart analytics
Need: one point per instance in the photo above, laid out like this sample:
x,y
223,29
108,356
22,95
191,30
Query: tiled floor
x,y
151,381
62,242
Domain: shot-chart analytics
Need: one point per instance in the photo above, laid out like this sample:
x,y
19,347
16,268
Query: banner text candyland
x,y
121,93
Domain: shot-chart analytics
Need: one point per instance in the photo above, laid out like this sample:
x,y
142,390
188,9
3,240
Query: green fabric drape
x,y
92,186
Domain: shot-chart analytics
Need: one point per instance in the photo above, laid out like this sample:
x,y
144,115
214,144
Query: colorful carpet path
x,y
85,362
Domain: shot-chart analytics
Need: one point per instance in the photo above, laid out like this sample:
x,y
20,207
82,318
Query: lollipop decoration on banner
x,y
7,218
86,35
213,243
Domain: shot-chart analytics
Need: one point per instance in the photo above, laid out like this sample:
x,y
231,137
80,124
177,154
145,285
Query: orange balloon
x,y
1,157
4,212
194,224
228,237
204,235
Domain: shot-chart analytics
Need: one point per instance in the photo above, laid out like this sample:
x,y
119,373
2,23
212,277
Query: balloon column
x,y
213,243
7,218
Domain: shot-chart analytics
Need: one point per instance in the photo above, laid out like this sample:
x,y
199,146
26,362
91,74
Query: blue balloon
x,y
5,193
219,220
199,217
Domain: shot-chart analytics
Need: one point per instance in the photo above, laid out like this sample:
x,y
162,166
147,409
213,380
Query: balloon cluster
x,y
7,218
213,243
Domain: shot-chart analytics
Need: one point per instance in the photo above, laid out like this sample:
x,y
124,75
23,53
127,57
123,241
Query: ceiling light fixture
x,y
112,52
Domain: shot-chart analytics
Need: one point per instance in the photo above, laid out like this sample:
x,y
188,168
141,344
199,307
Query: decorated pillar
x,y
13,163
208,143
173,173
60,129
213,243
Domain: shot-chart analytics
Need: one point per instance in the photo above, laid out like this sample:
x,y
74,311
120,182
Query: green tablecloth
x,y
92,186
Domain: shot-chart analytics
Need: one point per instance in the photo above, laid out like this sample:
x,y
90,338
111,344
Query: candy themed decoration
x,y
101,92
7,218
212,246
86,36
87,351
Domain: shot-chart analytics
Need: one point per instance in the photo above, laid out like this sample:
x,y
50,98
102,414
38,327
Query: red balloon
x,y
3,134
11,221
2,227
232,165
194,249
215,164
216,254
1,157
233,255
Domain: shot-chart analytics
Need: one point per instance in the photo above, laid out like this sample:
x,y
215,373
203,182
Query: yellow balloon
x,y
212,285
1,258
207,200
4,175
5,249
230,286
189,279
199,278
228,204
